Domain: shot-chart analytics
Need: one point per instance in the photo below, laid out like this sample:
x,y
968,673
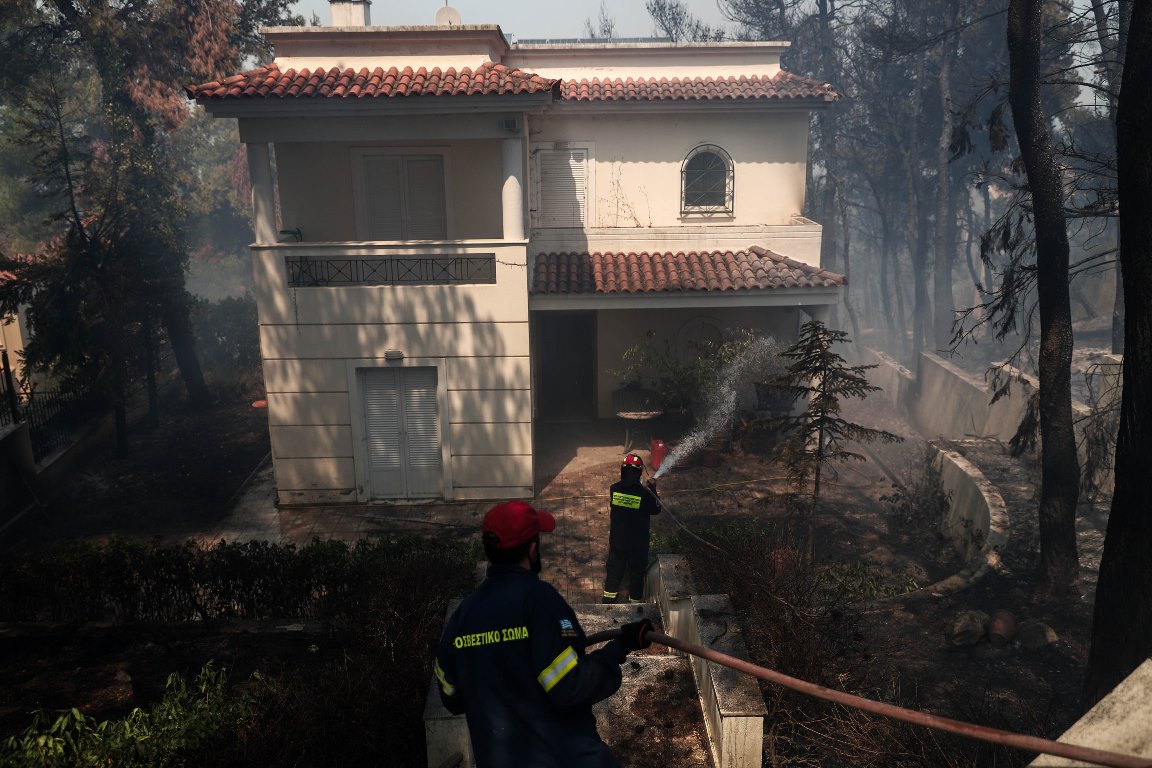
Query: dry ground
x,y
182,476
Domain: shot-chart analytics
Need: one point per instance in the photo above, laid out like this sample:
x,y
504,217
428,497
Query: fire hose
x,y
958,727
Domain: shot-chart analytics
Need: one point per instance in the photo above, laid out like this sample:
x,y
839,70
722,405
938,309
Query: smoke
x,y
722,397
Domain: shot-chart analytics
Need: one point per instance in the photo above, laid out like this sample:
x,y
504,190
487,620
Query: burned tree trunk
x,y
179,326
1060,467
943,303
1122,623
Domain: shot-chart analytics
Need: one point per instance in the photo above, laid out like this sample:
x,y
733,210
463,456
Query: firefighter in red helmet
x,y
632,504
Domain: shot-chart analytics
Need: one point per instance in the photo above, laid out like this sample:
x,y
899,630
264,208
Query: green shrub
x,y
135,581
864,580
183,724
357,701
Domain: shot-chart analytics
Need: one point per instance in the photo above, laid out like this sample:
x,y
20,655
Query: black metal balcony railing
x,y
9,397
56,416
7,403
310,272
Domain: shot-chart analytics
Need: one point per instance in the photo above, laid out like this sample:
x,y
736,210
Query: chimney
x,y
351,13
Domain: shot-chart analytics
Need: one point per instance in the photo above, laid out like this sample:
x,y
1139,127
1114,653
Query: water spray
x,y
722,401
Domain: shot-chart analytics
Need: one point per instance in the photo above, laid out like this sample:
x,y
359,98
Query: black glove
x,y
651,486
633,636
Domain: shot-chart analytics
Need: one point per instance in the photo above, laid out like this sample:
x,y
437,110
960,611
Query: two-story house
x,y
456,237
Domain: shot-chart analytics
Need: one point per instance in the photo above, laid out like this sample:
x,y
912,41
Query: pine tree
x,y
817,436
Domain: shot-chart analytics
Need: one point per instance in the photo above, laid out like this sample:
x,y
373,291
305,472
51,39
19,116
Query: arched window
x,y
706,178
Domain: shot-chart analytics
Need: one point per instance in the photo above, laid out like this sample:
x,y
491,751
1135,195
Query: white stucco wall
x,y
611,60
638,160
476,336
473,44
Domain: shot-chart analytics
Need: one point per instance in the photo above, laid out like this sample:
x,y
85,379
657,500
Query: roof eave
x,y
265,107
694,105
760,297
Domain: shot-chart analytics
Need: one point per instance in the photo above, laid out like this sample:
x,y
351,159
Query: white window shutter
x,y
403,197
426,213
382,431
423,431
563,187
384,197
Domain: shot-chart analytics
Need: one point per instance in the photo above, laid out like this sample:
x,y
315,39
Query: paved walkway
x,y
577,463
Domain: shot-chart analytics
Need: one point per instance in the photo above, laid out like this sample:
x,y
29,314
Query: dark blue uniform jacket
x,y
512,658
632,506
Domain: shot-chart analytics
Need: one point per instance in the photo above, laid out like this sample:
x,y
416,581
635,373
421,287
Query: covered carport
x,y
588,308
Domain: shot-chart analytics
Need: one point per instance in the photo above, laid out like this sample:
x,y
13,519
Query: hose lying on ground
x,y
970,730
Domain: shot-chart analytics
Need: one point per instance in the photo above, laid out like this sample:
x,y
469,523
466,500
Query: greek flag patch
x,y
565,624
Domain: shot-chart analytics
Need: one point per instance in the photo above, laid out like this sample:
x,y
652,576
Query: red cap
x,y
632,460
515,522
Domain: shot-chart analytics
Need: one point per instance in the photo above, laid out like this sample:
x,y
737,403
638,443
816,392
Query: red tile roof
x,y
269,82
784,86
751,269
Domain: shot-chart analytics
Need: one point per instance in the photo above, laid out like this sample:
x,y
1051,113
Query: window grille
x,y
707,181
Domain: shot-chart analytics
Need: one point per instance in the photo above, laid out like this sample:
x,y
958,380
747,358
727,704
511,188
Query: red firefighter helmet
x,y
632,460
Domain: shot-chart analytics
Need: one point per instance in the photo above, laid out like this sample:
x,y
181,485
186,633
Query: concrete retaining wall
x,y
1119,723
732,704
445,734
977,523
669,584
896,382
951,403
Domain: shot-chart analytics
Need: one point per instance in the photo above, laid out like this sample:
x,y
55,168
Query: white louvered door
x,y
422,427
402,432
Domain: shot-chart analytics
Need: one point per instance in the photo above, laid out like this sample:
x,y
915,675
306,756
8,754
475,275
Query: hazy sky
x,y
520,19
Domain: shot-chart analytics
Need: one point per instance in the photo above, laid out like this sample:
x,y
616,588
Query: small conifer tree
x,y
823,378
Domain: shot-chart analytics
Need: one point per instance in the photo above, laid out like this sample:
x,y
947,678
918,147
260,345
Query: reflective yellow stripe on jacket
x,y
560,666
447,687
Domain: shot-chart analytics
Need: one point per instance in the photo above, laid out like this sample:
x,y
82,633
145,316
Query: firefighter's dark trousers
x,y
629,558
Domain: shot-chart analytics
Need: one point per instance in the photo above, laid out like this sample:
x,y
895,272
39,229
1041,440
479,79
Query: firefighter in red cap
x,y
512,658
632,505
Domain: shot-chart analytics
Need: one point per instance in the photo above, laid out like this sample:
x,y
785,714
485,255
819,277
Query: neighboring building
x,y
14,336
457,238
